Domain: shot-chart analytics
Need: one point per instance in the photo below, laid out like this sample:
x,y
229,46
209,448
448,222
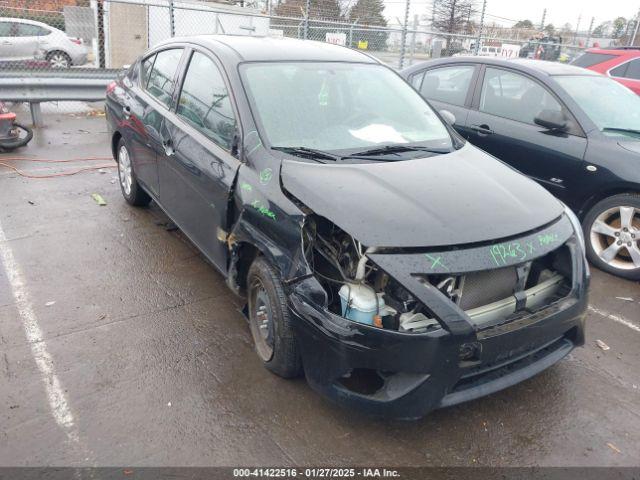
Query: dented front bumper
x,y
406,375
422,372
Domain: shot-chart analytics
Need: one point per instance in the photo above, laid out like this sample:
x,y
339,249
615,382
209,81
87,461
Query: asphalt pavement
x,y
121,345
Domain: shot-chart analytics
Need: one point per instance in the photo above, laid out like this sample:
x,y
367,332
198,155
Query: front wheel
x,y
270,322
612,234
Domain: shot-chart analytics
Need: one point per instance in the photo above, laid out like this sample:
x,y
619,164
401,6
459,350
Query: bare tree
x,y
453,16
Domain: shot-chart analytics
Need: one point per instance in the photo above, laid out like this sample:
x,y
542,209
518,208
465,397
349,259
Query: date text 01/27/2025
x,y
315,472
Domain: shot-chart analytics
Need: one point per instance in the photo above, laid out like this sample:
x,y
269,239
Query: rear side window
x,y
627,70
514,96
145,70
588,59
161,77
447,84
205,103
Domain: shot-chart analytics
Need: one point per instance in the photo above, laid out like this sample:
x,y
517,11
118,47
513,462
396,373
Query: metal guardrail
x,y
46,86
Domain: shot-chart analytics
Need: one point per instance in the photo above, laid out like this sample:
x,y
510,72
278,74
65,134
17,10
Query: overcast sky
x,y
559,12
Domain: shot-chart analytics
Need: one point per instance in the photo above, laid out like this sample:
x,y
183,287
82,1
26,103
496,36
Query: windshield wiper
x,y
391,149
308,152
622,130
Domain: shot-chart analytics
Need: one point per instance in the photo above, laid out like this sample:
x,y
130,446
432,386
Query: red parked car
x,y
620,63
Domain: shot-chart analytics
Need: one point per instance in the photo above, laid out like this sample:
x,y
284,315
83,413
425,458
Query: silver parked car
x,y
27,41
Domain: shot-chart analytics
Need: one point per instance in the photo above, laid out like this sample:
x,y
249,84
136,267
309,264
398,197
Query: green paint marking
x,y
259,206
245,186
266,175
436,262
547,238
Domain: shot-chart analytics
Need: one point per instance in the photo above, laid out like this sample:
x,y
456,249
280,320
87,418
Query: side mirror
x,y
448,117
552,120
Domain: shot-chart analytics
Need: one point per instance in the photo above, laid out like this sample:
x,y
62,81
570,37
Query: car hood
x,y
463,197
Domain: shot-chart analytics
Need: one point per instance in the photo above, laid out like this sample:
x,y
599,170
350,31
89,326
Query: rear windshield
x,y
588,59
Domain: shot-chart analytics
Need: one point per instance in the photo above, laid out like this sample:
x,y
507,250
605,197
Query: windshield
x,y
607,103
339,106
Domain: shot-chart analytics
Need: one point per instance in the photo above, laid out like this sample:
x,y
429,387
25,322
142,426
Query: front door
x,y
198,168
503,125
26,41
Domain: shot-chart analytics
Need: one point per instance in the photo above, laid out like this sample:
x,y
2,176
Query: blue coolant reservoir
x,y
360,303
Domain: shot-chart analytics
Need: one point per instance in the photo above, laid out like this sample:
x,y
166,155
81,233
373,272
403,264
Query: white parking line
x,y
615,318
55,393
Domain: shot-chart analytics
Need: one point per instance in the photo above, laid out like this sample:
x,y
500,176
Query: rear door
x,y
502,123
199,164
145,106
448,87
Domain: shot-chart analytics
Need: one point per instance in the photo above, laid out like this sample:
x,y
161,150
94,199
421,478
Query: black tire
x,y
136,196
58,55
17,142
285,358
622,264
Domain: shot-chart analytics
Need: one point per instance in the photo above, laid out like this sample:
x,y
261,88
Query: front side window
x,y
448,84
205,103
614,109
514,96
28,30
161,77
335,106
6,30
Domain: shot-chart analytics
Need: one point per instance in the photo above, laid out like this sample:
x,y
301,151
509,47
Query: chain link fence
x,y
60,34
79,36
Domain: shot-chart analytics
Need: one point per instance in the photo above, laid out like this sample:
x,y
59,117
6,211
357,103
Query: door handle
x,y
482,130
168,147
7,43
126,111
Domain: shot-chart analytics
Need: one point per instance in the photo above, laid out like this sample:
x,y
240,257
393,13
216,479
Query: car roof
x,y
263,48
620,52
527,65
24,20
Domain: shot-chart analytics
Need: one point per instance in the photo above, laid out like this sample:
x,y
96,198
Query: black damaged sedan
x,y
399,267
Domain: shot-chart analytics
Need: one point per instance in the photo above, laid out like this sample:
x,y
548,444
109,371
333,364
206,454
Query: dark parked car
x,y
574,131
401,267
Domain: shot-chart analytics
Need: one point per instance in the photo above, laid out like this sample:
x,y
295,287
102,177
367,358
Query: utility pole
x,y
635,30
575,35
172,19
480,27
403,47
586,44
306,19
544,16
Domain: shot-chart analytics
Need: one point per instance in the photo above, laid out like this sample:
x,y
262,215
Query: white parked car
x,y
27,41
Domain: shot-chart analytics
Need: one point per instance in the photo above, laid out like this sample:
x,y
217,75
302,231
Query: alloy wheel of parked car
x,y
59,60
131,190
270,321
613,235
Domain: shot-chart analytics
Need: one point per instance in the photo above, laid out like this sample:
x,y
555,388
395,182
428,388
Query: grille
x,y
481,288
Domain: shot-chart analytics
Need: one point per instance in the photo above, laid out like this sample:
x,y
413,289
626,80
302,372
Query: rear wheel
x,y
131,189
270,322
612,233
59,59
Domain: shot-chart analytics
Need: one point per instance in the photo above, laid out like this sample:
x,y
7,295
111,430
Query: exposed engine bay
x,y
360,291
